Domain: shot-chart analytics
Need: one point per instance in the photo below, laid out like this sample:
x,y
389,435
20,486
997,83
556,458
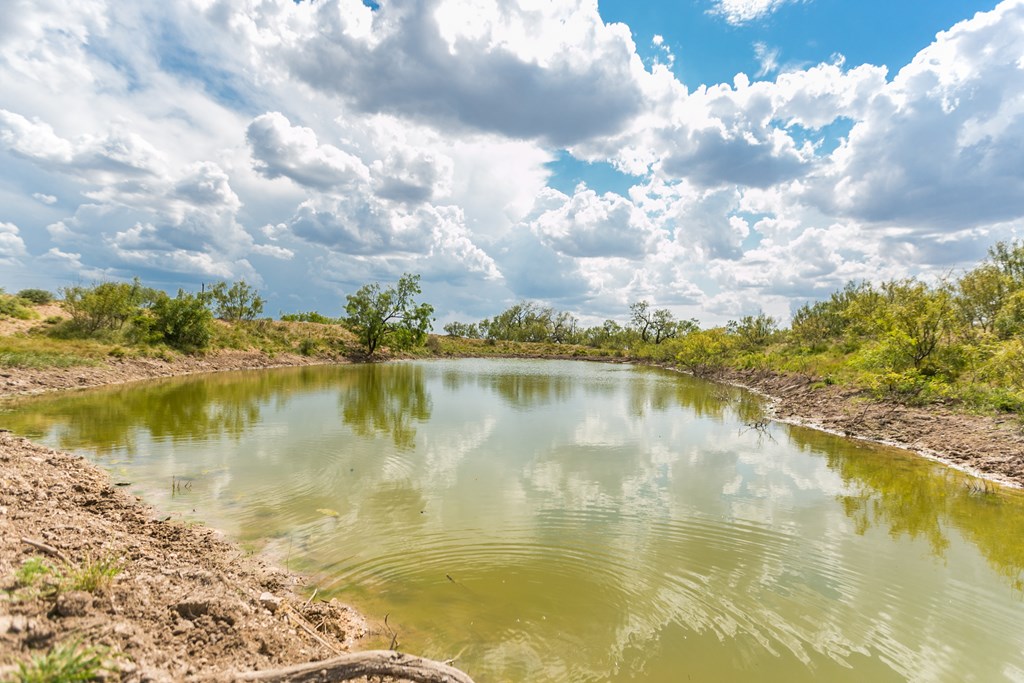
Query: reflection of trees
x,y
922,501
528,390
104,420
386,398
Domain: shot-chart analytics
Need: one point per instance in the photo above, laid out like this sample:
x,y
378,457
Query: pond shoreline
x,y
189,605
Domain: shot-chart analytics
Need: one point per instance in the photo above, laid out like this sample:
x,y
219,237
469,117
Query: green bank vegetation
x,y
959,340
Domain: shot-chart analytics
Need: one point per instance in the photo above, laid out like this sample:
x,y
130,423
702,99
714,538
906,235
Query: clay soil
x,y
188,605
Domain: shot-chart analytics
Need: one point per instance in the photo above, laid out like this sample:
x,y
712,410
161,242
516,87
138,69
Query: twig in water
x,y
394,636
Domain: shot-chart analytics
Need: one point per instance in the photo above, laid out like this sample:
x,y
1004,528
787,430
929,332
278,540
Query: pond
x,y
571,521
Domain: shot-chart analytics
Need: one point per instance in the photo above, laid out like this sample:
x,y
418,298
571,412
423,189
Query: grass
x,y
39,577
93,575
66,662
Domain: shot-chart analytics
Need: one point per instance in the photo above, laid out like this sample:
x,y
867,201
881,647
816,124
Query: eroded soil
x,y
983,445
185,604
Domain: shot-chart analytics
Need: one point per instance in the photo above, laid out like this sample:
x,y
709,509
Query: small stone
x,y
73,604
183,626
270,602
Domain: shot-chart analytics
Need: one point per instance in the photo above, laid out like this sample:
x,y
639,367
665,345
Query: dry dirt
x,y
185,605
986,446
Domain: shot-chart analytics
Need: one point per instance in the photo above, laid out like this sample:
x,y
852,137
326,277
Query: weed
x,y
66,662
39,577
93,575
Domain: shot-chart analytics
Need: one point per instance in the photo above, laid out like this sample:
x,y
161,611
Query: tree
x,y
237,302
754,330
981,293
656,326
389,316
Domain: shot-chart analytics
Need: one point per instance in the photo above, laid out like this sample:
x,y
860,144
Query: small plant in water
x,y
65,662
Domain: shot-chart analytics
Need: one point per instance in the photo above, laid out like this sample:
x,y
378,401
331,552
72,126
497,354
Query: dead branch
x,y
48,549
356,664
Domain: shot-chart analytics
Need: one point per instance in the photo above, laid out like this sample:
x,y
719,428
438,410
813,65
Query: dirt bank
x,y
987,446
185,604
25,381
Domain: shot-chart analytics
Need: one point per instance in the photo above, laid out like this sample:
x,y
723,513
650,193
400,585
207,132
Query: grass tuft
x,y
66,662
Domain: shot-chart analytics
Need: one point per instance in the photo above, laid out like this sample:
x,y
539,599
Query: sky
x,y
718,158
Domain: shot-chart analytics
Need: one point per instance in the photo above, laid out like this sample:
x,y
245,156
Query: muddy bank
x,y
184,603
987,446
26,381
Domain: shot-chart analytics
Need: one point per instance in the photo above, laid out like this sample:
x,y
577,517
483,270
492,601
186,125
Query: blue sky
x,y
716,157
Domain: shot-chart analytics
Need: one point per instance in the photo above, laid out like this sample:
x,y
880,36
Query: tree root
x,y
356,664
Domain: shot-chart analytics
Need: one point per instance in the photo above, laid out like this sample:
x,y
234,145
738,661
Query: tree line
x,y
960,338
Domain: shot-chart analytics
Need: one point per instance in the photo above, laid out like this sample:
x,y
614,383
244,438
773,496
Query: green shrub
x,y
36,296
106,306
309,317
15,307
184,322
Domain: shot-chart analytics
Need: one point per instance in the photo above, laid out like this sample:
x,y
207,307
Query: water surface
x,y
568,521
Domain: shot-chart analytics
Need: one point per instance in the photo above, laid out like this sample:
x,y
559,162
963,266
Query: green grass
x,y
66,662
41,359
92,575
37,577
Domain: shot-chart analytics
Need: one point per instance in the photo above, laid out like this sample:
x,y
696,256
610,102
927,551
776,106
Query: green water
x,y
561,521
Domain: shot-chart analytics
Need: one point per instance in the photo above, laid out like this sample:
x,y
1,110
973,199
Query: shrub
x,y
106,306
184,322
308,317
14,307
36,296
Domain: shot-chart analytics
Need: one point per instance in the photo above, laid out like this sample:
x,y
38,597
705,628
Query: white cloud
x,y
450,62
940,147
743,11
12,247
767,58
588,225
47,199
283,150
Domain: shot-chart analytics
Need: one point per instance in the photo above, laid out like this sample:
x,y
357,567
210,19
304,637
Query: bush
x,y
14,307
106,306
184,322
308,317
36,296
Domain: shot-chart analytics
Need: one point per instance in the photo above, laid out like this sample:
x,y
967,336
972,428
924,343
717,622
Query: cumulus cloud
x,y
12,247
587,225
280,149
552,71
941,145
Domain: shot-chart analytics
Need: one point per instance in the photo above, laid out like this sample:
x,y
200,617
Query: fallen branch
x,y
356,664
48,549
